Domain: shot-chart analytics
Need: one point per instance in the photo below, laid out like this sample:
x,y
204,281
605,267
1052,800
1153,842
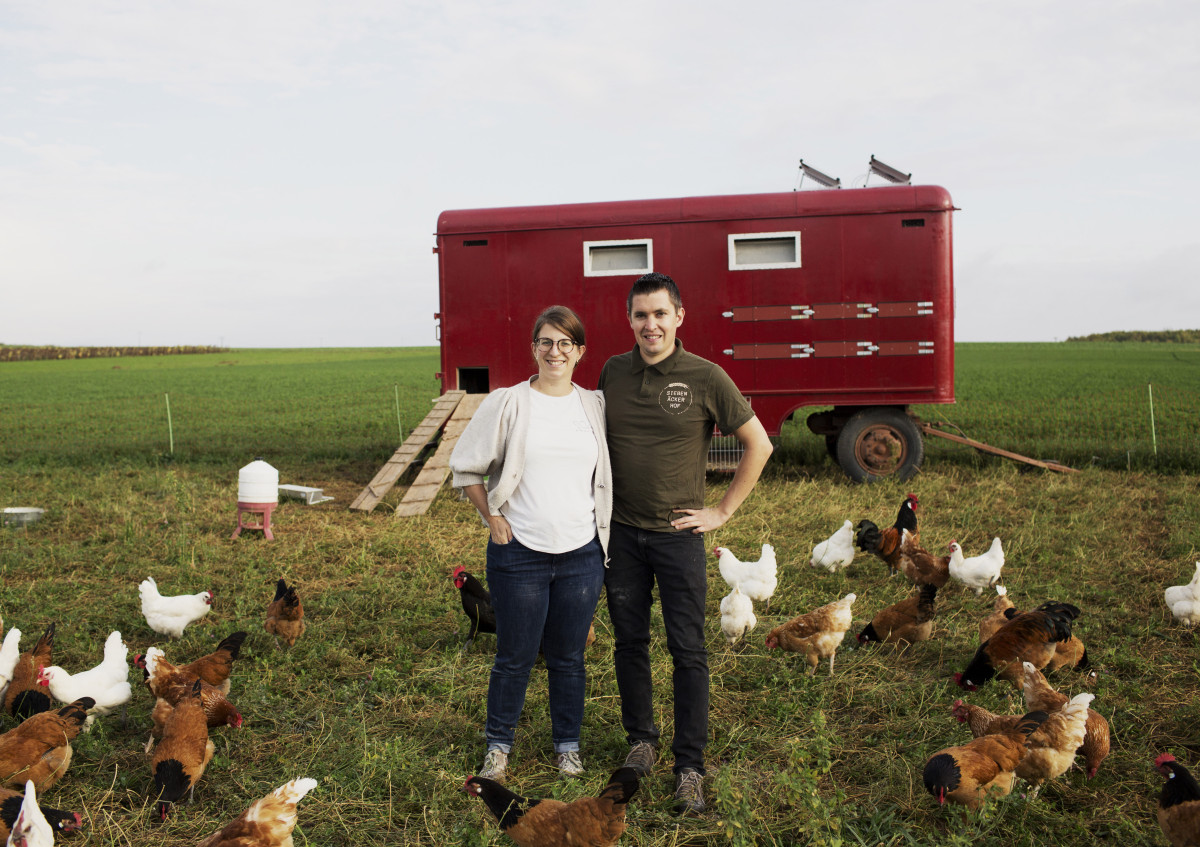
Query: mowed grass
x,y
377,702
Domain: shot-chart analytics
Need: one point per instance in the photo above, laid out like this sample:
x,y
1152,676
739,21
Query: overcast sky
x,y
268,173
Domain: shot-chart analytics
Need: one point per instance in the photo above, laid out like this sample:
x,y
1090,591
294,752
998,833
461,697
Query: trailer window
x,y
757,250
618,258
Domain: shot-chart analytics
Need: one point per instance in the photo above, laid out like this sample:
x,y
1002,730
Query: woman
x,y
540,446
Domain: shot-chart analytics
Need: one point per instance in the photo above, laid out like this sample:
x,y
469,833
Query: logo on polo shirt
x,y
676,398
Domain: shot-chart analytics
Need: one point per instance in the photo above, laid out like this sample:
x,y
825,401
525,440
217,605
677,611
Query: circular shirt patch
x,y
676,398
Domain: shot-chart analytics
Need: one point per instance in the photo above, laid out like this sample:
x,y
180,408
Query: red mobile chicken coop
x,y
835,299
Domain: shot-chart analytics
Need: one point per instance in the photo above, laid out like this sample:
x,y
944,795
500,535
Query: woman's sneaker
x,y
495,764
569,763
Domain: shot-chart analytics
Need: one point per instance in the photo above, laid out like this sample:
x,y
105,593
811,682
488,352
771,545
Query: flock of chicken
x,y
1015,645
189,700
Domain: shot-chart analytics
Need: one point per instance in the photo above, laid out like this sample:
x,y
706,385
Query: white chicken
x,y
107,683
1182,600
737,615
10,652
977,572
835,552
169,615
756,579
30,829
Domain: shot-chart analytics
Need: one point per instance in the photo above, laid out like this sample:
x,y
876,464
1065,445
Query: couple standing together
x,y
581,489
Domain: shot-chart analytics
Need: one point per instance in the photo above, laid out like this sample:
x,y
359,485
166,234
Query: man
x,y
661,406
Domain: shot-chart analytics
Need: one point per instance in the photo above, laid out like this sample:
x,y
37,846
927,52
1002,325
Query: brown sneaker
x,y
689,792
641,758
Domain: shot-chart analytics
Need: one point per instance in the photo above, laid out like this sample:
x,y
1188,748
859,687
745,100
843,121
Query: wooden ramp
x,y
420,494
395,467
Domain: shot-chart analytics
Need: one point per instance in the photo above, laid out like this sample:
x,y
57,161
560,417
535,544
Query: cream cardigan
x,y
491,450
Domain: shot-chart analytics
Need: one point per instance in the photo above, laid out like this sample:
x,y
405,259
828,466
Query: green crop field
x,y
377,702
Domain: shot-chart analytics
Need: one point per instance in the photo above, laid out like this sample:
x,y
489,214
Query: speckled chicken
x,y
816,634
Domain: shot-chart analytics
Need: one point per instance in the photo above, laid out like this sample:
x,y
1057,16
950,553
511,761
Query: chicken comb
x,y
1163,759
459,569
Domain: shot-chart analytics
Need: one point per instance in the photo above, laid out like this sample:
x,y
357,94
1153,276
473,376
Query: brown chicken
x,y
1051,748
285,614
1070,653
216,667
980,721
982,768
25,696
587,822
998,618
1027,637
183,754
921,566
39,748
816,634
10,807
268,822
1096,742
1179,803
170,684
906,622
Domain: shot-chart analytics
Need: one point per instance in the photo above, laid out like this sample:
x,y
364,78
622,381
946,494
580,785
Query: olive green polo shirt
x,y
660,421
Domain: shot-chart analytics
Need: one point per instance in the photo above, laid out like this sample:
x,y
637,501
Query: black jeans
x,y
676,561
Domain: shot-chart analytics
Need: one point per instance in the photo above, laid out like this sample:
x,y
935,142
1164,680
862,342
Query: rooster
x,y
30,827
1184,600
107,683
756,579
268,822
1070,653
997,619
906,622
285,614
24,696
816,634
1179,803
1028,637
40,747
977,572
737,615
982,768
1096,741
587,822
170,615
837,551
885,545
185,751
477,603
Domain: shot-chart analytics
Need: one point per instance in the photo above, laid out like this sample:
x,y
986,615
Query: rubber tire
x,y
878,443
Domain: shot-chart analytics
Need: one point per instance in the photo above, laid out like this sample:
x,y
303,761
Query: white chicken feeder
x,y
258,494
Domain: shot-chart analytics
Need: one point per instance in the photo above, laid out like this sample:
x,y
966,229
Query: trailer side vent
x,y
764,250
477,242
913,222
618,258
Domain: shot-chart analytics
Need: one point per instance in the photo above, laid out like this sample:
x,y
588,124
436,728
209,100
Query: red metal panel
x,y
911,309
742,314
826,349
840,311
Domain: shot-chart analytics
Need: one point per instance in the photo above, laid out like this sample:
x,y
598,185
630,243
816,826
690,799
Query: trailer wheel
x,y
831,442
877,443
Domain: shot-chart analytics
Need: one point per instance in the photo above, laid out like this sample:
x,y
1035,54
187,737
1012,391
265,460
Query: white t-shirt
x,y
553,509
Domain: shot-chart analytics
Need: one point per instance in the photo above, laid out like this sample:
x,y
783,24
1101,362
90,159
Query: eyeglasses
x,y
565,345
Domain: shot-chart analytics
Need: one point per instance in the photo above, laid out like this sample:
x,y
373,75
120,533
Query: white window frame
x,y
735,237
587,257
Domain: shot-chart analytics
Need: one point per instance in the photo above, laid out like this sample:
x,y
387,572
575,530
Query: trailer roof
x,y
852,201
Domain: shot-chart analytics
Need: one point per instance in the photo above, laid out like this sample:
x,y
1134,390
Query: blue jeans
x,y
546,601
676,560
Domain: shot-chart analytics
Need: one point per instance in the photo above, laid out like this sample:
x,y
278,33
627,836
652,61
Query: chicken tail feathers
x,y
47,640
232,643
280,589
1030,721
78,710
622,785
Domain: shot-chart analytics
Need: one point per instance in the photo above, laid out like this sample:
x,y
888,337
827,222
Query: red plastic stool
x,y
263,509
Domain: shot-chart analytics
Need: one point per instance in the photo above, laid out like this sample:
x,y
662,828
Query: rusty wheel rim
x,y
880,450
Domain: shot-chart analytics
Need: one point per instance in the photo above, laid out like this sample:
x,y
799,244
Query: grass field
x,y
379,705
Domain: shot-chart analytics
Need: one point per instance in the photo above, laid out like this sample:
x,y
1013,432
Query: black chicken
x,y
476,602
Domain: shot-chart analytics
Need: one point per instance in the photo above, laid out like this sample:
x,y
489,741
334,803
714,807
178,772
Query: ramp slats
x,y
429,481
